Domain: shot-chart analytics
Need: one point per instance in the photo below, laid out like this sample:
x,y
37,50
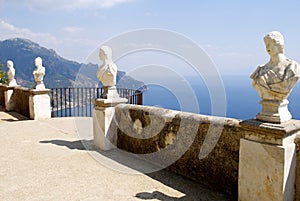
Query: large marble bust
x,y
107,72
275,80
11,73
39,73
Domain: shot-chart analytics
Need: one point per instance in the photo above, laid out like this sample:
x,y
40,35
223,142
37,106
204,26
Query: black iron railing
x,y
71,102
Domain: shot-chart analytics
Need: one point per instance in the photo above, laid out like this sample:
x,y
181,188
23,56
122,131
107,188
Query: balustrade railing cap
x,y
6,87
39,91
100,102
279,130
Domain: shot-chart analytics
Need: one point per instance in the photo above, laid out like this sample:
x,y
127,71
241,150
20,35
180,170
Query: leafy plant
x,y
3,77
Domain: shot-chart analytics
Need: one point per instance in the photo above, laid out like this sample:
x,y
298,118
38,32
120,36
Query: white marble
x,y
9,101
11,73
266,172
275,80
107,72
39,73
39,105
104,134
104,125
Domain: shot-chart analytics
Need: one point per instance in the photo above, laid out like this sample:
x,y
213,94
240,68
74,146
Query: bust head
x,y
105,53
38,62
10,64
274,42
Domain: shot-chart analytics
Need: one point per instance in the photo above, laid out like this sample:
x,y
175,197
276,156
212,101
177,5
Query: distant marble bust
x,y
11,73
39,73
275,79
107,72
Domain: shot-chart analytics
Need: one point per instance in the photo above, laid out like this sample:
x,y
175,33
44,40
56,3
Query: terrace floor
x,y
46,160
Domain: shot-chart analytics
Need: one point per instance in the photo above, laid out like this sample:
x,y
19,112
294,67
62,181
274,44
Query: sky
x,y
230,32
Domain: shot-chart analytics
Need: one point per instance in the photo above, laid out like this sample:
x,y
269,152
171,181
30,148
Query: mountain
x,y
60,72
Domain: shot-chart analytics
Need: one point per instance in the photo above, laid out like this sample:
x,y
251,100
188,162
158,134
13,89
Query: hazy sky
x,y
231,32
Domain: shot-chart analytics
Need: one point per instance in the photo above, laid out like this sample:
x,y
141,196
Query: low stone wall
x,y
21,100
163,136
2,97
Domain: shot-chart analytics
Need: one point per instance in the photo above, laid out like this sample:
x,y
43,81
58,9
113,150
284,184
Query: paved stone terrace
x,y
45,160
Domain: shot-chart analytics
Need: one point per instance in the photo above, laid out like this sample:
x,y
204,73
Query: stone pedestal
x,y
8,96
110,93
104,126
39,104
267,161
274,111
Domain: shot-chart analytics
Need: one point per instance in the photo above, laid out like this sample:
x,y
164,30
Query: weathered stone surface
x,y
2,98
9,99
297,142
269,132
148,130
21,98
104,127
266,172
268,161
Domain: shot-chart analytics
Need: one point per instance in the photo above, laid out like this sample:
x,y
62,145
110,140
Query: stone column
x,y
267,161
39,104
104,126
9,99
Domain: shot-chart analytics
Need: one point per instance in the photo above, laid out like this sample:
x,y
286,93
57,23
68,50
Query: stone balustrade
x,y
144,130
250,159
32,103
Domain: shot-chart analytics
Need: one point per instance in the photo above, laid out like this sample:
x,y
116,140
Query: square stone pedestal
x,y
104,126
9,99
39,104
267,161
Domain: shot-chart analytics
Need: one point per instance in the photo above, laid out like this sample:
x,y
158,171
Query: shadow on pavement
x,y
158,195
11,116
191,190
78,144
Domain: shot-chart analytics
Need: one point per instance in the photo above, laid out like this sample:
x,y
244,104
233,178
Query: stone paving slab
x,y
45,160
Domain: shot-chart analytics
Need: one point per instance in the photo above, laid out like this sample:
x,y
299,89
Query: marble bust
x,y
107,71
275,80
39,73
11,73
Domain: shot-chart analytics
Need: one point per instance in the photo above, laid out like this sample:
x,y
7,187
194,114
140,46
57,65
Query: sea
x,y
241,99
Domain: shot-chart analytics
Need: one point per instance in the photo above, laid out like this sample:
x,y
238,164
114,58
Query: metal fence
x,y
71,102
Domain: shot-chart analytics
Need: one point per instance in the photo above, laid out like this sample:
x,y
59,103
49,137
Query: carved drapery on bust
x,y
11,73
275,80
39,73
107,73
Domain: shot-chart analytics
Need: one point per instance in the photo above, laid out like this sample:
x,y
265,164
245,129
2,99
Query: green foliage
x,y
3,77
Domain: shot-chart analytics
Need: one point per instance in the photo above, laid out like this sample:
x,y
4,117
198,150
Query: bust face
x,y
101,55
105,53
272,48
38,62
9,64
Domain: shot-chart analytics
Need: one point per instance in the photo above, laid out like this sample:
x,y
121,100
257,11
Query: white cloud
x,y
150,14
72,29
65,4
70,48
8,30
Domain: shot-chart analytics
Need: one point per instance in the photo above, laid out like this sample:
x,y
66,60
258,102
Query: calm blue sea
x,y
242,101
